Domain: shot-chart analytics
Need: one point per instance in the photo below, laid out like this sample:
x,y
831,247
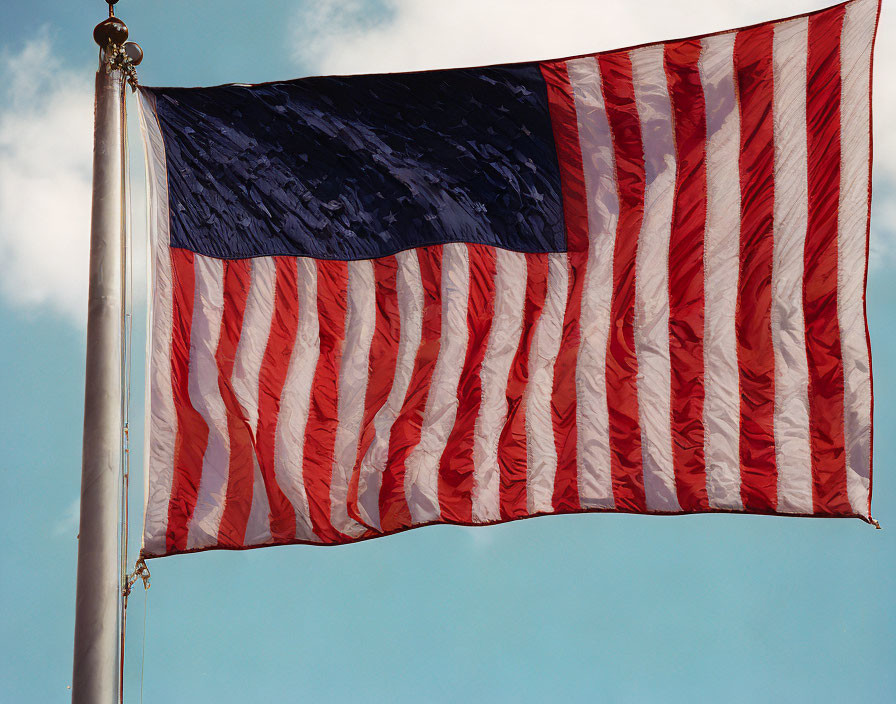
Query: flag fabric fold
x,y
630,281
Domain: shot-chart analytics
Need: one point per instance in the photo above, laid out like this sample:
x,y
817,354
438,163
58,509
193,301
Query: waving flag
x,y
629,281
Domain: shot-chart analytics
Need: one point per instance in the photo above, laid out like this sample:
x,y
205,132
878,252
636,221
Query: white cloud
x,y
46,158
883,218
67,523
481,539
359,37
46,130
404,35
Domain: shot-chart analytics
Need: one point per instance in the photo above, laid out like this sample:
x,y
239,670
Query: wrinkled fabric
x,y
640,288
357,167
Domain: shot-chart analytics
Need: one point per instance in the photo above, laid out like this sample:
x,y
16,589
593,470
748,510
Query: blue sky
x,y
570,608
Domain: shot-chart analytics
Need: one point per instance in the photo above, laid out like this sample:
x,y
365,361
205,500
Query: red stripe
x,y
320,430
192,431
622,365
823,351
456,464
382,359
686,306
755,356
394,511
564,404
575,214
271,378
241,467
512,450
564,121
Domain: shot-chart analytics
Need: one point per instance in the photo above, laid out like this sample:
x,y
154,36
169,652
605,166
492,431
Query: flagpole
x,y
96,650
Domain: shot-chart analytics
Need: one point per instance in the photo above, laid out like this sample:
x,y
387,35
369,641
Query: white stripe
x,y
651,323
246,369
503,340
409,291
161,415
258,526
721,409
289,444
855,60
791,211
422,476
592,418
360,321
541,452
205,397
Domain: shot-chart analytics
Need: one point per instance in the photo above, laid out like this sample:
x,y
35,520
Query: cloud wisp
x,y
369,36
46,130
46,160
67,523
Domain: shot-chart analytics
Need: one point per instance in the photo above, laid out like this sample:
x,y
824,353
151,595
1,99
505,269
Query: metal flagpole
x,y
96,652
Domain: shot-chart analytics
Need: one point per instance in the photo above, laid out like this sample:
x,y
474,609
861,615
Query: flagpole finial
x,y
110,31
117,53
134,53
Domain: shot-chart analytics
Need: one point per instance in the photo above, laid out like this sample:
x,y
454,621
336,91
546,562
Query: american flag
x,y
630,281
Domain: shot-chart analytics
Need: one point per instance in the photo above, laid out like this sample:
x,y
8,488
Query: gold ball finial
x,y
110,31
134,53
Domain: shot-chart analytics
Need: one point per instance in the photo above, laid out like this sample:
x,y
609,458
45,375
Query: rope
x,y
141,571
143,652
125,344
118,60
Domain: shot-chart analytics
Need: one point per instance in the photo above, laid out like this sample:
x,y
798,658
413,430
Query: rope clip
x,y
141,571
